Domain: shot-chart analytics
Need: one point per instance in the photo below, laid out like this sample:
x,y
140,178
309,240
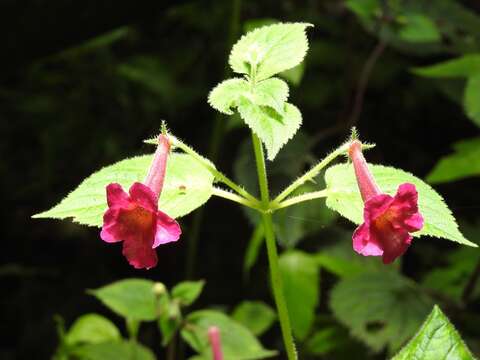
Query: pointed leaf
x,y
270,49
273,129
460,164
187,291
271,92
471,98
437,339
92,329
464,66
419,29
187,186
225,95
344,197
131,298
256,316
300,281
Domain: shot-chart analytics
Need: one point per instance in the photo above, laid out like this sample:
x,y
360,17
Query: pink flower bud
x,y
215,342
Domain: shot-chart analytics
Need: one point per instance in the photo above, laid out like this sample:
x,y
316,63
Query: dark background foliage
x,y
70,105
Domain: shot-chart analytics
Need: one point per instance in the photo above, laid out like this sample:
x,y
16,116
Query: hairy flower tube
x,y
134,217
388,221
215,343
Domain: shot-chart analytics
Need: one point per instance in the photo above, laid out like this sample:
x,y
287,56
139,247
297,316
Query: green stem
x,y
210,167
298,199
275,276
310,174
235,198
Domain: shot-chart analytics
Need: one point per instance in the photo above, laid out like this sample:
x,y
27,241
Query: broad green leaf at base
x,y
436,339
344,197
187,186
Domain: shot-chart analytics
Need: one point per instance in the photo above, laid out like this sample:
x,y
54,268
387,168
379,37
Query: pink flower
x,y
134,218
215,343
388,221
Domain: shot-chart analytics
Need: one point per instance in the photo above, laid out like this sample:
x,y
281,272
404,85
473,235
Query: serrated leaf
x,y
187,291
256,316
125,350
462,163
300,278
271,92
92,329
419,29
187,186
270,50
464,66
471,98
344,197
226,94
273,129
380,308
436,339
131,298
238,343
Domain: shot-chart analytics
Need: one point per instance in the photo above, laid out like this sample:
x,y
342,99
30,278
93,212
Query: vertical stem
x,y
275,276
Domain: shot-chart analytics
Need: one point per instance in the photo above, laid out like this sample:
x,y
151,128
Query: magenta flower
x,y
388,221
134,218
215,343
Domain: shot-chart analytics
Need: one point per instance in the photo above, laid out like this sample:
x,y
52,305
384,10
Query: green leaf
x,y
364,9
464,66
451,279
256,316
187,291
327,339
270,50
225,95
300,277
344,197
273,129
471,98
271,92
125,350
238,343
341,260
437,339
462,163
294,75
187,186
380,308
92,329
419,29
170,318
131,298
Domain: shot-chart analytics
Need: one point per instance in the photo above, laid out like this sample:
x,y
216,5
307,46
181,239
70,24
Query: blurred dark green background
x,y
82,83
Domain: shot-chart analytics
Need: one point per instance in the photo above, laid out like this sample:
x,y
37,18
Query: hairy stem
x,y
235,198
275,276
298,199
310,174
